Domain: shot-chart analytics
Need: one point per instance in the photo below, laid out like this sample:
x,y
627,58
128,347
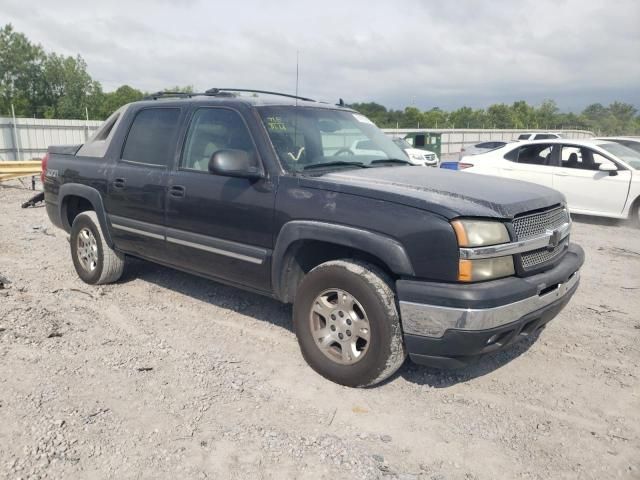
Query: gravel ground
x,y
166,375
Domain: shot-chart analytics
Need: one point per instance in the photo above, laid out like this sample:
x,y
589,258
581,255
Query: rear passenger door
x,y
137,185
532,163
220,226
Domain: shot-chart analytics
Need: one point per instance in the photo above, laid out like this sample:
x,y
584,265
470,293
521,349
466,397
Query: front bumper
x,y
452,325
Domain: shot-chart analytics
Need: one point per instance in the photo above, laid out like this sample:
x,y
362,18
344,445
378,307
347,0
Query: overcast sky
x,y
397,52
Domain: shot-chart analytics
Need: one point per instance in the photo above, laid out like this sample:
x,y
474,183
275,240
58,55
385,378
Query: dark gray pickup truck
x,y
265,192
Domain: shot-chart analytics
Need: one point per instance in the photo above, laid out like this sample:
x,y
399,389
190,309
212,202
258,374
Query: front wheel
x,y
347,323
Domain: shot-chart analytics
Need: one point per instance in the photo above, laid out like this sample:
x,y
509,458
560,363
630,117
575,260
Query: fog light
x,y
493,338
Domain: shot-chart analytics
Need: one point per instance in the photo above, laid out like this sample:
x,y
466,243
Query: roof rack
x,y
219,91
157,95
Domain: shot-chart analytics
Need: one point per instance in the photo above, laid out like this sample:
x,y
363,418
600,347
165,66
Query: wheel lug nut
x,y
340,336
333,328
348,333
341,314
333,317
348,321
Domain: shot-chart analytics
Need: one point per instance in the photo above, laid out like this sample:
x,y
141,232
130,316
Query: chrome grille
x,y
537,224
542,255
429,157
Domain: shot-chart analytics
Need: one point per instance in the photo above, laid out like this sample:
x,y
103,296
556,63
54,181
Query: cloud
x,y
397,53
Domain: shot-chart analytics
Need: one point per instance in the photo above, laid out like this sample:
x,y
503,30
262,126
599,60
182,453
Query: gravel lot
x,y
166,375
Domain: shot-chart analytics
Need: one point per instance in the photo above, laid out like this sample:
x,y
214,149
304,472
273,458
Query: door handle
x,y
177,191
119,183
561,174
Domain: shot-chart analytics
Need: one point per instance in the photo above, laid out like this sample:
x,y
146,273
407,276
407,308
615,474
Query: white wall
x,y
34,135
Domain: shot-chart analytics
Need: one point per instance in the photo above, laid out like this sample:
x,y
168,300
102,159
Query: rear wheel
x,y
95,262
635,214
347,324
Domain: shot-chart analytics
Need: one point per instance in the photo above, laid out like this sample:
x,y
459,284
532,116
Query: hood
x,y
445,192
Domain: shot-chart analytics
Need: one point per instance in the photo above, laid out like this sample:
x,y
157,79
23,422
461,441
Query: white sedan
x,y
598,177
416,157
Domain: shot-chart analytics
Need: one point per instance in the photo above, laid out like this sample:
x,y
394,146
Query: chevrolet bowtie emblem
x,y
554,239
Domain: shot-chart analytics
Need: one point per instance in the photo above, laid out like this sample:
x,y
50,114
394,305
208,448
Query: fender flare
x,y
93,196
387,249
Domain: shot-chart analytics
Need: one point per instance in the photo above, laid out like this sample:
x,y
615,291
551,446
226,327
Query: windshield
x,y
623,153
307,138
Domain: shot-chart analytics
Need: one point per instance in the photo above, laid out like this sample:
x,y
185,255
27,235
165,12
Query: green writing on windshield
x,y
276,124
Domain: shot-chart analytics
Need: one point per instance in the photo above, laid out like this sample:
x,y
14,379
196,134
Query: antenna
x,y
297,73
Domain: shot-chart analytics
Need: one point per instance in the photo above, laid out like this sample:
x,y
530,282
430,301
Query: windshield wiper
x,y
338,163
392,160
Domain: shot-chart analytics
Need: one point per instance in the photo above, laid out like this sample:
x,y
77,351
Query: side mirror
x,y
609,167
235,163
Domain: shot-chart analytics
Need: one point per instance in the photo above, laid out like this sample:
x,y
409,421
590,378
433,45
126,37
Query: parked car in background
x,y
539,136
598,177
417,156
481,147
630,142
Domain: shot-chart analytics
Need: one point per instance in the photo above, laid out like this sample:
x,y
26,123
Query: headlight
x,y
480,233
485,269
416,158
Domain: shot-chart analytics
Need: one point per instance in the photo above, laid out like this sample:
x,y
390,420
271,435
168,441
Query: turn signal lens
x,y
480,233
485,269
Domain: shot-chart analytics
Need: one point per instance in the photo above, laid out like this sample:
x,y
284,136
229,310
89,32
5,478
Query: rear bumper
x,y
450,326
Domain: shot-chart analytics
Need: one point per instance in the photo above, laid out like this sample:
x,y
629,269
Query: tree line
x,y
618,118
44,84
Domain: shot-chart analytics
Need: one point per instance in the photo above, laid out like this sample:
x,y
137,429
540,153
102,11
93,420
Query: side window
x,y
214,129
544,136
512,155
152,136
582,158
419,141
524,136
535,154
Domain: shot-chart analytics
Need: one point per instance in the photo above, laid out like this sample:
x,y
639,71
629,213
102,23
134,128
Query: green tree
x,y
499,116
21,82
114,100
68,86
547,114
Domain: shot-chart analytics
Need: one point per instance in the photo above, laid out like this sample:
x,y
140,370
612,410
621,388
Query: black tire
x,y
107,264
370,287
635,214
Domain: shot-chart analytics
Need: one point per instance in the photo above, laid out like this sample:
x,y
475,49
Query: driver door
x,y
220,226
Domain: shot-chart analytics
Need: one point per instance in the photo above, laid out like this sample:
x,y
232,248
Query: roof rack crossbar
x,y
216,91
155,96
